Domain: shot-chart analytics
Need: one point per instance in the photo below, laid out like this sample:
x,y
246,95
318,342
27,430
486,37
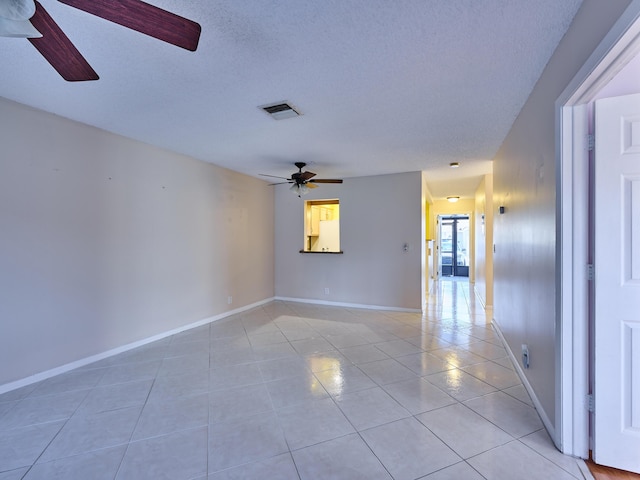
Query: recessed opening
x,y
280,110
322,226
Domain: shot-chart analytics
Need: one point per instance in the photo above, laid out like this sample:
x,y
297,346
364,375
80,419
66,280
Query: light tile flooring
x,y
291,391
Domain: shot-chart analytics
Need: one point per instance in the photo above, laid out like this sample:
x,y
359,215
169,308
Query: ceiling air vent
x,y
280,111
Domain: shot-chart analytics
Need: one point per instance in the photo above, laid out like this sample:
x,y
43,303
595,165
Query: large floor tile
x,y
515,461
319,362
239,402
184,364
280,467
313,422
70,381
398,348
20,447
177,456
467,433
370,408
251,439
344,379
268,338
234,376
493,374
408,450
418,395
363,354
295,390
511,415
541,443
282,368
386,371
520,393
424,363
130,372
112,397
42,409
347,458
460,385
16,474
313,345
161,418
487,350
175,386
457,356
100,465
459,471
85,433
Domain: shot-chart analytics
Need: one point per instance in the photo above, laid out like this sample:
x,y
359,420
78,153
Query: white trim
x,y
572,196
348,305
534,398
115,351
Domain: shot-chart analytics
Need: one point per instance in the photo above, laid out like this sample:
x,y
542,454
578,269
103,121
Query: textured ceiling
x,y
383,86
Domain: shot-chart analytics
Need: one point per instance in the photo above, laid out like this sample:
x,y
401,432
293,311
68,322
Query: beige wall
x,y
483,214
525,183
378,215
105,241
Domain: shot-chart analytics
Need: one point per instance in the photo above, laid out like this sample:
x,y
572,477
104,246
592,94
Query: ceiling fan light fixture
x,y
454,164
18,29
453,199
299,189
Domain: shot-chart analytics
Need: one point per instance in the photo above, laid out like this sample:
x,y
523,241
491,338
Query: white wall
x,y
378,215
105,241
524,182
484,241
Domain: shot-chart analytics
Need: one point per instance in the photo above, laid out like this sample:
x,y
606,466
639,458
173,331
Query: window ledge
x,y
325,253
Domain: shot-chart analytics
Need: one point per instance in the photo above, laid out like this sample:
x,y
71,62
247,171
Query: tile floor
x,y
291,391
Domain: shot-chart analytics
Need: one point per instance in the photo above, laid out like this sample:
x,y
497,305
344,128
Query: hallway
x,y
292,391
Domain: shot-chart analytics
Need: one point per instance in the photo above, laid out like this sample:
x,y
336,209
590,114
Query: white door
x,y
617,283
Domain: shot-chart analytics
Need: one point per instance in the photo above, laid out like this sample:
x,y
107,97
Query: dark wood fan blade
x,y
58,50
272,176
306,175
144,18
326,180
279,183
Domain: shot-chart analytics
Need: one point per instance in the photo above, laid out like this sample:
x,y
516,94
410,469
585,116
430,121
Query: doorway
x,y
575,380
454,246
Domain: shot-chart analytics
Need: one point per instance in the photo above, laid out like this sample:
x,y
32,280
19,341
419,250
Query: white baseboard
x,y
525,381
348,305
115,351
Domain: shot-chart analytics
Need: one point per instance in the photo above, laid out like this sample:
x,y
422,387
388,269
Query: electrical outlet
x,y
526,358
229,300
326,291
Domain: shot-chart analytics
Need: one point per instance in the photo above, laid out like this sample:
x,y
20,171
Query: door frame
x,y
620,45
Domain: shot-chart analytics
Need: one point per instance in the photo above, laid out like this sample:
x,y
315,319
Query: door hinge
x,y
591,142
589,403
591,272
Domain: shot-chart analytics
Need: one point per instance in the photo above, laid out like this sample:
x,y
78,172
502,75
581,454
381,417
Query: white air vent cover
x,y
280,110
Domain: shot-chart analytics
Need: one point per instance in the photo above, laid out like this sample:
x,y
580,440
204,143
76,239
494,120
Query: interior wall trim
x,y
546,421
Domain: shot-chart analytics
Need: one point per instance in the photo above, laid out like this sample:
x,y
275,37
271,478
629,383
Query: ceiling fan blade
x,y
326,180
272,176
144,18
306,175
279,183
58,50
